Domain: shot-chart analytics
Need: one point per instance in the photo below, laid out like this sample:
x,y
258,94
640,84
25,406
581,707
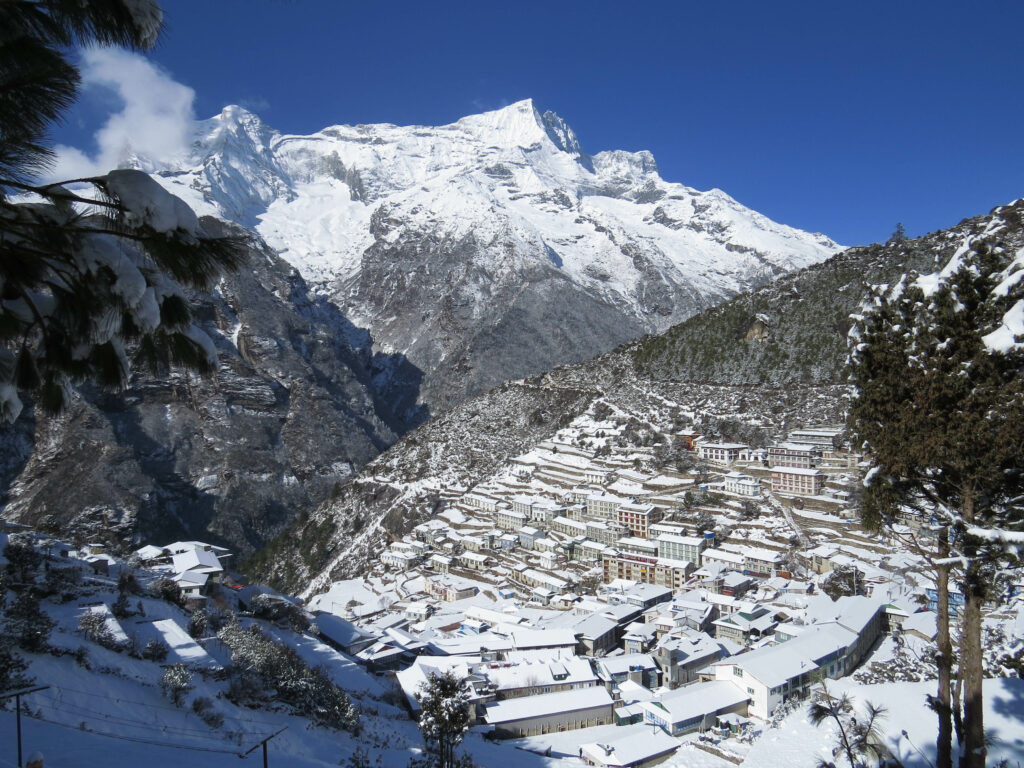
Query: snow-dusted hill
x,y
488,249
771,356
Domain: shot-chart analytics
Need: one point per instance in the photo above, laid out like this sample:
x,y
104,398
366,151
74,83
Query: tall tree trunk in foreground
x,y
944,659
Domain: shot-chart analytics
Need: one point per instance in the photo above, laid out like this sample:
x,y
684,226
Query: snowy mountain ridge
x,y
442,241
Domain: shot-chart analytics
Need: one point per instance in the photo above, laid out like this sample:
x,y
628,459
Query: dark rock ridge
x,y
300,402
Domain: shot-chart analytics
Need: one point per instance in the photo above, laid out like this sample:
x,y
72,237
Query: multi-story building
x,y
674,547
449,588
743,485
509,519
803,455
720,453
824,437
645,568
804,482
638,517
603,505
606,532
569,527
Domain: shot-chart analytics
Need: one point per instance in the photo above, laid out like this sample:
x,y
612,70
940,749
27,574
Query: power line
x,y
73,709
137,740
118,700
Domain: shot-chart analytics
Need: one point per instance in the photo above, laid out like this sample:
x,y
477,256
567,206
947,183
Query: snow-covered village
x,y
483,385
595,603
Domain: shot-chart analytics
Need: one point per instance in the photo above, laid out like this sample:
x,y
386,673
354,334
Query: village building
x,y
341,634
681,658
640,637
634,545
588,551
475,561
676,547
568,527
821,557
596,635
720,453
744,627
728,559
803,482
562,711
756,560
802,455
675,529
638,667
740,484
399,558
534,578
509,519
695,707
642,595
605,532
604,505
639,517
419,611
638,749
481,501
449,588
440,563
823,437
646,568
528,535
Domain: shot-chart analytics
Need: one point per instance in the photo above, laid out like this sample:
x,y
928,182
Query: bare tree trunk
x,y
944,660
973,673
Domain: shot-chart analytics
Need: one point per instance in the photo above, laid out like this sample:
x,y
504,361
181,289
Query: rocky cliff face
x,y
291,414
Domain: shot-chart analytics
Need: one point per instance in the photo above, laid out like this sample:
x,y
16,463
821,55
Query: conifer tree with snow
x,y
27,623
176,682
444,716
91,280
939,369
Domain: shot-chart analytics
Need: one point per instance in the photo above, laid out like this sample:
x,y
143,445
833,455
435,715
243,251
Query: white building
x,y
720,453
743,485
562,711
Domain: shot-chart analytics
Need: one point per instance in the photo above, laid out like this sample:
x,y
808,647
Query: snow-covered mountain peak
x,y
235,126
517,125
462,238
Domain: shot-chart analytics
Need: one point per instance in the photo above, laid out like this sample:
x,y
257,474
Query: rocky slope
x,y
291,414
490,249
766,361
794,331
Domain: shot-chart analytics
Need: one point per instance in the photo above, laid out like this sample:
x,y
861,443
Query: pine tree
x,y
940,411
28,624
444,716
90,281
12,667
176,683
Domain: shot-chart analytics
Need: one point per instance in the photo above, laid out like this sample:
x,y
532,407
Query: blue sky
x,y
842,118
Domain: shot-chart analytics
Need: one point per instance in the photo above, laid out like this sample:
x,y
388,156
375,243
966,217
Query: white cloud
x,y
154,124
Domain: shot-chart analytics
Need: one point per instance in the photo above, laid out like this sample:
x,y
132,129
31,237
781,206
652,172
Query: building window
x,y
737,671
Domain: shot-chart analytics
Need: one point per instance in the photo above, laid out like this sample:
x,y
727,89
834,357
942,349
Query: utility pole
x,y
256,746
16,695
